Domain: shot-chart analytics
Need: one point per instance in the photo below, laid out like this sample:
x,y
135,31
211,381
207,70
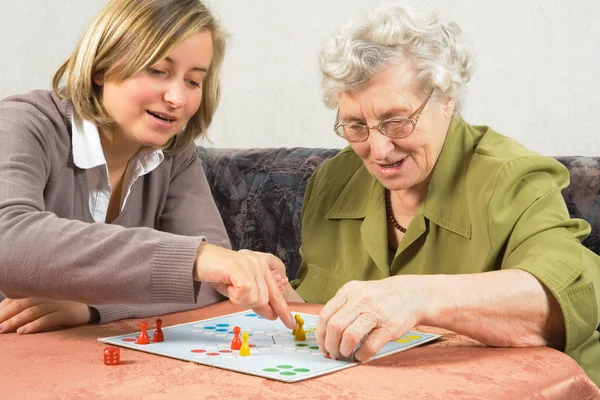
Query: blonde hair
x,y
127,37
394,34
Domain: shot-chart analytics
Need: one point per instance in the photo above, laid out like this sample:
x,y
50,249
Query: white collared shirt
x,y
88,155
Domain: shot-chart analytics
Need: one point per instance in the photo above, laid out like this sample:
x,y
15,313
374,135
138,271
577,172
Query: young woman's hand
x,y
31,314
251,279
276,267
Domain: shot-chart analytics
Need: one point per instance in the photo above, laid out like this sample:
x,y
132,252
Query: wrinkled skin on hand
x,y
371,313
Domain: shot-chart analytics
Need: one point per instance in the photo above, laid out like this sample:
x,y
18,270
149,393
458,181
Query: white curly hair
x,y
396,34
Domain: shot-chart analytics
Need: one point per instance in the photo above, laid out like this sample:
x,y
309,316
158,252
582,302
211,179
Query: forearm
x,y
508,308
40,248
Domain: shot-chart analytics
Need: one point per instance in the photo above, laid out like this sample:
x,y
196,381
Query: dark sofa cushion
x,y
583,194
259,193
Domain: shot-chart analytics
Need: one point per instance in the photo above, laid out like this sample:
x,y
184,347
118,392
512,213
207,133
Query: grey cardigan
x,y
50,246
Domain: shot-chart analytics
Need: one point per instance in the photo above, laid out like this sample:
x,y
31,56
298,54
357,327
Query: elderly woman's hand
x,y
371,314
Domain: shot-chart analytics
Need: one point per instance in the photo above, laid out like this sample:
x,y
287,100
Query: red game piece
x,y
158,333
143,338
236,343
112,356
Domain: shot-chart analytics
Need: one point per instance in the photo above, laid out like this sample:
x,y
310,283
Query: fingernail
x,y
22,330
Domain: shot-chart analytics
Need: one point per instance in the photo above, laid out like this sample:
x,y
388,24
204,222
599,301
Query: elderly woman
x,y
425,219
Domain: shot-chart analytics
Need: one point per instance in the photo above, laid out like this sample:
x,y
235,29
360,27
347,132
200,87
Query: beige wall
x,y
537,77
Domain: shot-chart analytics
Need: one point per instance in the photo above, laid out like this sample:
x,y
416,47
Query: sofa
x,y
259,193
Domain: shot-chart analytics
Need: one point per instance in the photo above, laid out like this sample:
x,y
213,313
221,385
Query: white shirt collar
x,y
88,152
87,149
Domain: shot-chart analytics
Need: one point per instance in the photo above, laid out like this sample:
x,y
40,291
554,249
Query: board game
x,y
274,353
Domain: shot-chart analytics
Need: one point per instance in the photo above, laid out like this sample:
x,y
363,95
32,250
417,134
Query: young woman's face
x,y
153,106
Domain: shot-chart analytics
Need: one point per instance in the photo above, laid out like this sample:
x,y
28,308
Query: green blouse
x,y
492,204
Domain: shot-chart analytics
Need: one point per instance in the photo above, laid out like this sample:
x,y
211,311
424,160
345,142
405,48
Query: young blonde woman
x,y
102,198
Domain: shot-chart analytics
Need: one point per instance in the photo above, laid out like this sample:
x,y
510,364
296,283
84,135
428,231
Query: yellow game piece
x,y
297,317
300,335
245,349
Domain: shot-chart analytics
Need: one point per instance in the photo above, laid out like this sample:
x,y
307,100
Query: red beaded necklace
x,y
388,207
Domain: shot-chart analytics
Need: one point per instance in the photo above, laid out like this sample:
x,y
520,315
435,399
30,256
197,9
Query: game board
x,y
274,352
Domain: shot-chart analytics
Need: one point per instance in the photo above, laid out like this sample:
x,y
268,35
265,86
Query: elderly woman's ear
x,y
449,104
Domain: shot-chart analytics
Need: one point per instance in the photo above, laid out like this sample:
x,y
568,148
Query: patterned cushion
x,y
259,193
583,194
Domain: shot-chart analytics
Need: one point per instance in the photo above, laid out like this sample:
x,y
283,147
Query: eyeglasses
x,y
395,128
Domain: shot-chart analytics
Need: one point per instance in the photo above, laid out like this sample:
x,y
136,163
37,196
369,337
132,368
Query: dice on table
x,y
112,356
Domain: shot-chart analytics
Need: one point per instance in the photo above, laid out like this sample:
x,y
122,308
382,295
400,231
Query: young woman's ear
x,y
98,78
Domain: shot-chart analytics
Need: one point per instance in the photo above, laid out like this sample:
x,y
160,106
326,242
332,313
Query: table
x,y
67,364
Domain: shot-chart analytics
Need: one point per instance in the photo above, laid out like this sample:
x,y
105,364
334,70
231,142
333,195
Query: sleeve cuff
x,y
112,312
172,271
577,302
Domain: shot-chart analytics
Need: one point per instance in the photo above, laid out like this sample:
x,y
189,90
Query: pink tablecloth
x,y
67,364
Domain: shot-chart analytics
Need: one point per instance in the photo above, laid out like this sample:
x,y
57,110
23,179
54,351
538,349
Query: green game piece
x,y
301,345
314,347
285,366
287,373
302,370
271,370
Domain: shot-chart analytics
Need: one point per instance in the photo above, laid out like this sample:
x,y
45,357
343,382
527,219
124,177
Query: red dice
x,y
112,356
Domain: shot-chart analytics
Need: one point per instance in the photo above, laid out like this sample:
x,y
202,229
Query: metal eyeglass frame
x,y
413,119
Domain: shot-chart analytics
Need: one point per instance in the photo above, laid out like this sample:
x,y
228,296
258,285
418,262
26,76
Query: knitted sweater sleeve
x,y
44,255
189,210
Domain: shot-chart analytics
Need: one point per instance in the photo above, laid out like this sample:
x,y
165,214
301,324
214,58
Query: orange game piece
x,y
236,343
112,356
143,338
158,333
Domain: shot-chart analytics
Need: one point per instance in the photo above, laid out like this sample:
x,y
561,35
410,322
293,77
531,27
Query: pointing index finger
x,y
278,303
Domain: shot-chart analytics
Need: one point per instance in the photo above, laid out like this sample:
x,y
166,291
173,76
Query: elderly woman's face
x,y
404,163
